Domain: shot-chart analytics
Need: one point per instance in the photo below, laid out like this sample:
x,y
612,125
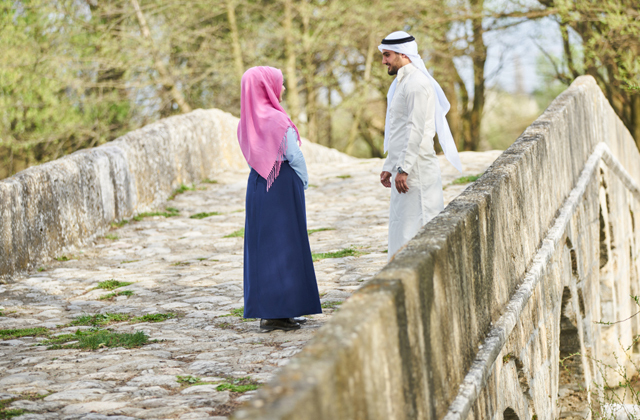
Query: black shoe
x,y
299,319
286,324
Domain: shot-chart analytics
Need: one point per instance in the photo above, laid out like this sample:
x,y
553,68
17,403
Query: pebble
x,y
187,267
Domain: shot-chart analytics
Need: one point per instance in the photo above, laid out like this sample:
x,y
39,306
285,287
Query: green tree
x,y
607,48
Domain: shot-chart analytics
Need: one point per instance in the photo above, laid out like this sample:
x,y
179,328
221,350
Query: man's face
x,y
392,60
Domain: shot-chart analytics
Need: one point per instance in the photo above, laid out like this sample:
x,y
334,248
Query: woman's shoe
x,y
286,324
299,319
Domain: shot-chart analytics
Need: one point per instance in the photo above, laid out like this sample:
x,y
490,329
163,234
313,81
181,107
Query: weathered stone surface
x,y
462,290
65,203
212,346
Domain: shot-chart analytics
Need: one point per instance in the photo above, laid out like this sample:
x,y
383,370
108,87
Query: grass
x,y
111,236
209,181
153,318
119,224
188,380
104,338
330,305
62,258
112,284
466,179
95,339
128,261
203,215
343,176
112,295
347,252
181,263
24,332
239,385
99,320
236,234
41,269
180,190
201,259
239,312
313,186
7,413
310,231
170,212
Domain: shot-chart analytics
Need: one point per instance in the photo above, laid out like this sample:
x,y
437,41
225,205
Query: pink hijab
x,y
263,122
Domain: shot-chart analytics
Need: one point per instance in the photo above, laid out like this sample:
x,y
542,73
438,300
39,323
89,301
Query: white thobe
x,y
411,128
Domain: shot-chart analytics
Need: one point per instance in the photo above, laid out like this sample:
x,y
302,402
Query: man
x,y
416,109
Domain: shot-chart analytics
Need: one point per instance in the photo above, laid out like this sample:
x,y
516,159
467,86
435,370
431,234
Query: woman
x,y
279,279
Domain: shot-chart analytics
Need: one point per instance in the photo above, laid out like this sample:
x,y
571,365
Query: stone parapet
x,y
473,317
65,203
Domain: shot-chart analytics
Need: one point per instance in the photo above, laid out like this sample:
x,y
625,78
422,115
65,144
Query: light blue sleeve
x,y
295,158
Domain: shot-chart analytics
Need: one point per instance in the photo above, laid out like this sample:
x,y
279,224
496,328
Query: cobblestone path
x,y
200,354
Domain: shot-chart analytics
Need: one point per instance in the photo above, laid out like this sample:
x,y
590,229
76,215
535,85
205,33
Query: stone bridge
x,y
505,306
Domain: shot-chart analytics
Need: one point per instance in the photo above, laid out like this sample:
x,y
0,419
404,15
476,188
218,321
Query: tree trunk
x,y
355,124
293,98
235,38
309,73
165,76
479,57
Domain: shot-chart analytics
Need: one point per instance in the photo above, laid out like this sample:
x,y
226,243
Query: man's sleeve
x,y
388,163
421,107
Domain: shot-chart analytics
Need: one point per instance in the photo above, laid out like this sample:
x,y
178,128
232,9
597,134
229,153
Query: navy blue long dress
x,y
279,279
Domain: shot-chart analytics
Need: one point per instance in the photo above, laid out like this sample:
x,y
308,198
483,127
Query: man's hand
x,y
401,183
385,179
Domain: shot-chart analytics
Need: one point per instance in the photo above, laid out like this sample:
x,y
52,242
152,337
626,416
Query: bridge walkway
x,y
190,268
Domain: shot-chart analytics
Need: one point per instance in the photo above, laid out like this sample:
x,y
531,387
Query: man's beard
x,y
392,70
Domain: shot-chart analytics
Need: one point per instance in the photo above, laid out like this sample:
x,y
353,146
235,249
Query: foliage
x,y
607,47
54,94
170,212
153,317
331,305
180,190
239,385
310,231
23,332
204,215
188,380
239,312
347,252
96,338
237,234
466,179
112,284
110,296
99,320
119,224
76,74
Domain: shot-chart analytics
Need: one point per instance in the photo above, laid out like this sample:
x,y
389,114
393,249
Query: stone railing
x,y
67,202
473,316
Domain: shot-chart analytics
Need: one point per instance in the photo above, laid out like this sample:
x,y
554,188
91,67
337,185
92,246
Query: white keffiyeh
x,y
403,43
